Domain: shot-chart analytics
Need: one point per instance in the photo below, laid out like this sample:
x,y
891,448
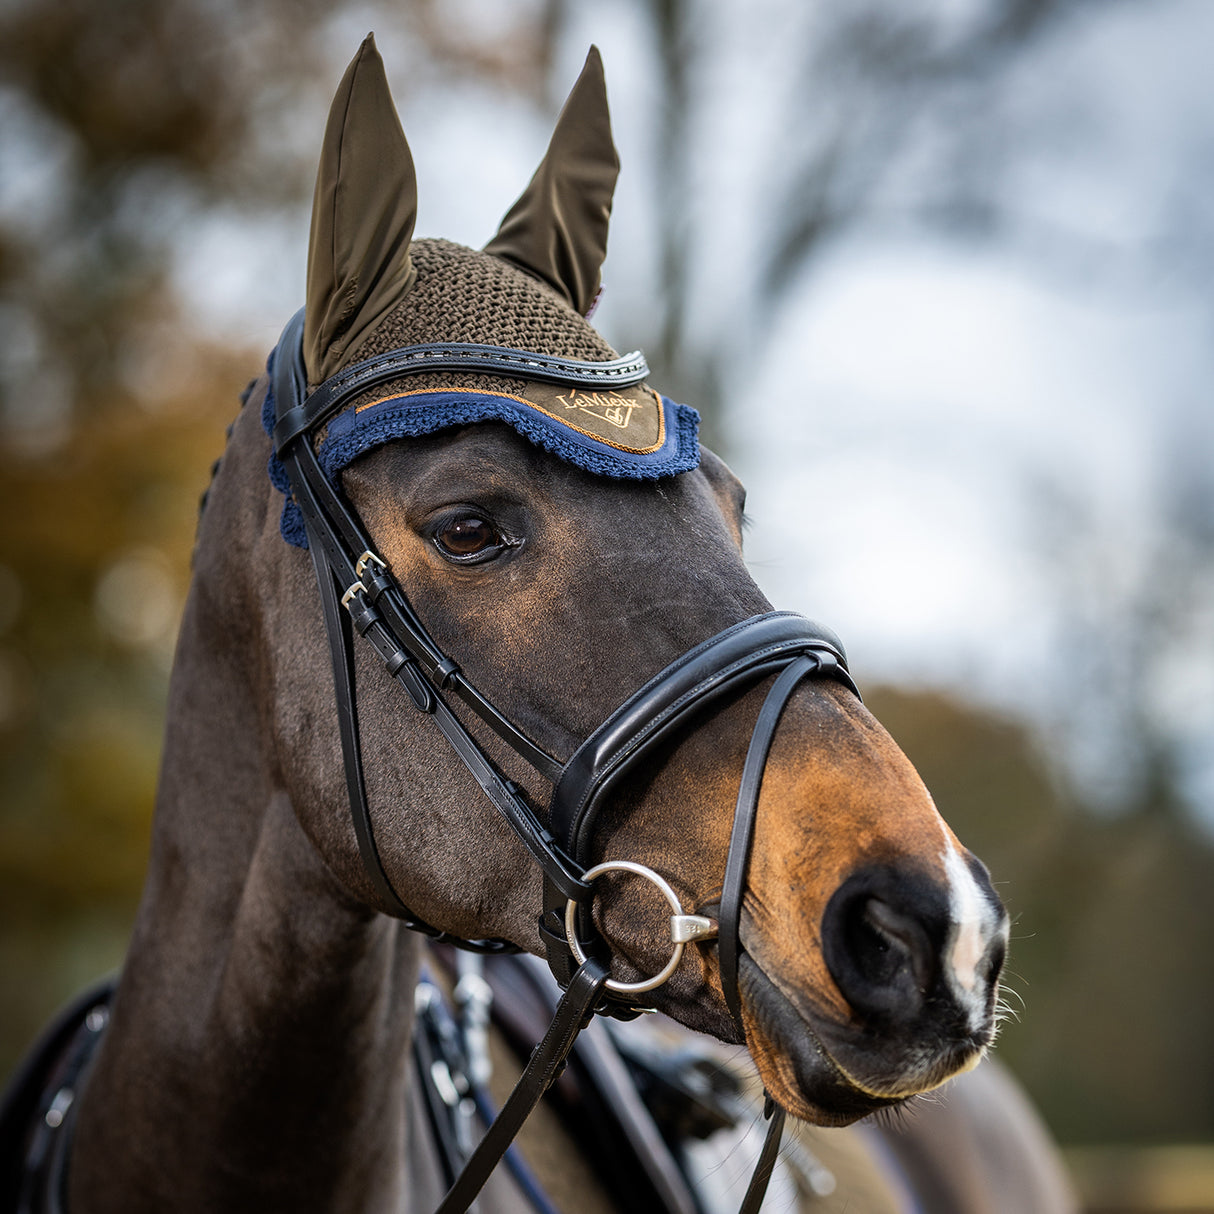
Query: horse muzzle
x,y
916,957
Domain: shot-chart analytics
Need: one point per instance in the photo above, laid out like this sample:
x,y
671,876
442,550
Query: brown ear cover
x,y
363,214
557,230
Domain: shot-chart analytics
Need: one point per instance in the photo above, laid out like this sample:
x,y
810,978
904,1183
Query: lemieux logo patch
x,y
630,419
637,423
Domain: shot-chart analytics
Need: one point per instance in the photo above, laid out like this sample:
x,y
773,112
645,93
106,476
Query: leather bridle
x,y
360,594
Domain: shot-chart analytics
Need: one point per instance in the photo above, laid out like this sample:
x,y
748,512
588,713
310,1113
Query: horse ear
x,y
362,218
558,228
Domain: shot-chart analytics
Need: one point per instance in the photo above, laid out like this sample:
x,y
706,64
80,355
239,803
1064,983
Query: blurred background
x,y
938,274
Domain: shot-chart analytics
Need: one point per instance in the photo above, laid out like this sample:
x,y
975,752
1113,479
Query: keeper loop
x,y
445,673
368,558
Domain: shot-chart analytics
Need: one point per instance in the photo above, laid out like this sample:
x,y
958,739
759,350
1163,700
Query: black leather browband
x,y
340,388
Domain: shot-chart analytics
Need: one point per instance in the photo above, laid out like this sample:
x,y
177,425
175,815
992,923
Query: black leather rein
x,y
360,594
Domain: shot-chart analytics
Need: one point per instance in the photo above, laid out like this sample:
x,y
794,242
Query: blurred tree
x,y
95,556
929,118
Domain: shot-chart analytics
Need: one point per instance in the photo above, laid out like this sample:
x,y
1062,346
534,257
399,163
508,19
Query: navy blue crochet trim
x,y
352,434
291,524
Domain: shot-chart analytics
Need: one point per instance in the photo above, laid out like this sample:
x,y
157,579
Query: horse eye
x,y
468,536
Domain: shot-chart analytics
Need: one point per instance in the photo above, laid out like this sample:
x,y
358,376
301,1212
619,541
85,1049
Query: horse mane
x,y
246,392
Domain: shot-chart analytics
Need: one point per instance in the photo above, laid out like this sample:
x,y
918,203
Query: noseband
x,y
360,594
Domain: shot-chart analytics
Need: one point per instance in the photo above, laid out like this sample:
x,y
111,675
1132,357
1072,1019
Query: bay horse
x,y
578,730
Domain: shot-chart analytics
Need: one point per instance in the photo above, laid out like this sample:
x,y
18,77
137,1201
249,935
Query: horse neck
x,y
254,1055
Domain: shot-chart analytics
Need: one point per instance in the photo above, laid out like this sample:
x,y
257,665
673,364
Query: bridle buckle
x,y
360,570
369,558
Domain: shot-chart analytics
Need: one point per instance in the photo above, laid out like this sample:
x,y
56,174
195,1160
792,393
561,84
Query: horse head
x,y
565,546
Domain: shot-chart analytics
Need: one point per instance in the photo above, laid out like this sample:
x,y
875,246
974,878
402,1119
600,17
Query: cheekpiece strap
x,y
374,605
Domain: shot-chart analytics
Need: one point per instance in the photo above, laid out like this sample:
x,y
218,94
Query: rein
x,y
360,594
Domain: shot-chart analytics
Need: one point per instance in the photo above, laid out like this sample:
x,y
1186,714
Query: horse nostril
x,y
901,941
881,951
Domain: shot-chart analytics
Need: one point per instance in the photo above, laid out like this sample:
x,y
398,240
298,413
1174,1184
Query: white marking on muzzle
x,y
975,924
